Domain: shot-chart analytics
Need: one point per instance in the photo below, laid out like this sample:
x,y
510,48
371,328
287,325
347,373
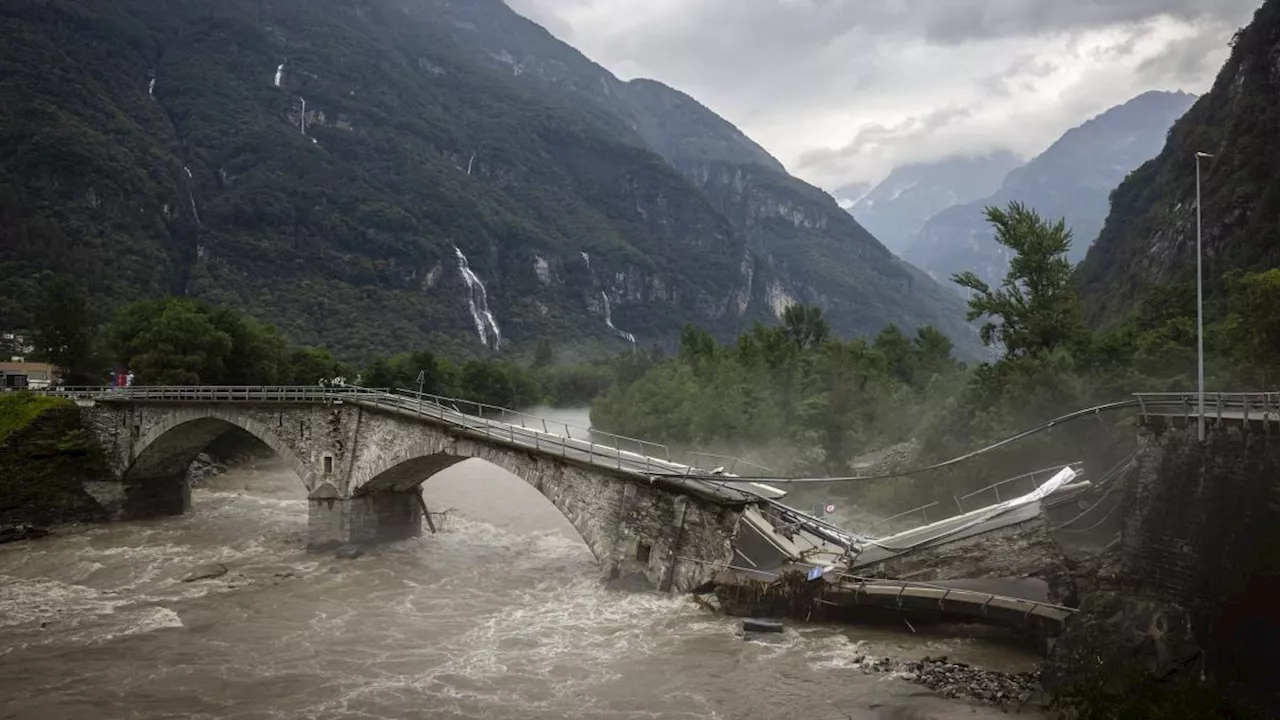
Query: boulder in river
x,y
349,552
206,572
21,531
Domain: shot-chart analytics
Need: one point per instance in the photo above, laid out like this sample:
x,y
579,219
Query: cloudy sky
x,y
842,91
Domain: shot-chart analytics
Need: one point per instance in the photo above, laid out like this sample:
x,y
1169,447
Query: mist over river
x,y
500,615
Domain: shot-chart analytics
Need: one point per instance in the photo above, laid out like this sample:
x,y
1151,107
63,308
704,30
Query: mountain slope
x,y
896,209
802,247
1071,180
1150,235
316,163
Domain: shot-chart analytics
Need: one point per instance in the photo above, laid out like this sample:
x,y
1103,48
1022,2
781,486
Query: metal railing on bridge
x,y
490,421
1262,406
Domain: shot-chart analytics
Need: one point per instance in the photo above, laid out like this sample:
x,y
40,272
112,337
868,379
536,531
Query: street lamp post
x,y
1199,302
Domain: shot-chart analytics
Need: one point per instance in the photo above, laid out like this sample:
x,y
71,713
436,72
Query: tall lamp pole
x,y
1199,302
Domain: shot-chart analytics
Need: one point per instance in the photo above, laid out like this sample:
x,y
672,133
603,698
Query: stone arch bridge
x,y
362,455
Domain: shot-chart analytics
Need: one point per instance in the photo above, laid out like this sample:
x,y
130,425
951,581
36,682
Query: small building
x,y
18,374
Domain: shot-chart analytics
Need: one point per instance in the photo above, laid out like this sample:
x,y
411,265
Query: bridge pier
x,y
141,498
333,521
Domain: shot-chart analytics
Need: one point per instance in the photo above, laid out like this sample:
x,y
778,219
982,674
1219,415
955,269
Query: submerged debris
x,y
206,572
349,552
763,626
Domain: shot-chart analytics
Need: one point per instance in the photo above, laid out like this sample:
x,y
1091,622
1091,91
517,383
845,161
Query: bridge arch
x,y
590,502
168,446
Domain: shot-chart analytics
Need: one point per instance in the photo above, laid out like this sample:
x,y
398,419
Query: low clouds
x,y
842,91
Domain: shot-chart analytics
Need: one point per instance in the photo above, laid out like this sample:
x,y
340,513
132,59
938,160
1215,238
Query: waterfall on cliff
x,y
608,320
279,74
151,88
191,195
608,307
478,303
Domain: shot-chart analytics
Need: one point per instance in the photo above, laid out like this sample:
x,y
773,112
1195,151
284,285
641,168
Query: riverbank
x,y
45,457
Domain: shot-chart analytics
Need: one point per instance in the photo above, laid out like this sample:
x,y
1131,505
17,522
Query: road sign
x,y
830,509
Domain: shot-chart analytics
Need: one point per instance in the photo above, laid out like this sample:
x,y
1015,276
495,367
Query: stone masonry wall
x,y
1197,576
634,528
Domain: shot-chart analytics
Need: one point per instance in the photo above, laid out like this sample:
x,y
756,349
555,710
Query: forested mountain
x,y
1072,180
374,176
1149,237
896,209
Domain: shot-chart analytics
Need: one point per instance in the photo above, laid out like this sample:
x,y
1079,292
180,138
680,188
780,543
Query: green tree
x,y
543,355
1252,327
697,347
258,355
805,326
1036,308
311,366
898,352
65,332
171,342
933,353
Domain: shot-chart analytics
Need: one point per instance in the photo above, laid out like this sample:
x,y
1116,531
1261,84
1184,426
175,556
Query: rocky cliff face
x,y
1071,180
379,175
896,209
1150,234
